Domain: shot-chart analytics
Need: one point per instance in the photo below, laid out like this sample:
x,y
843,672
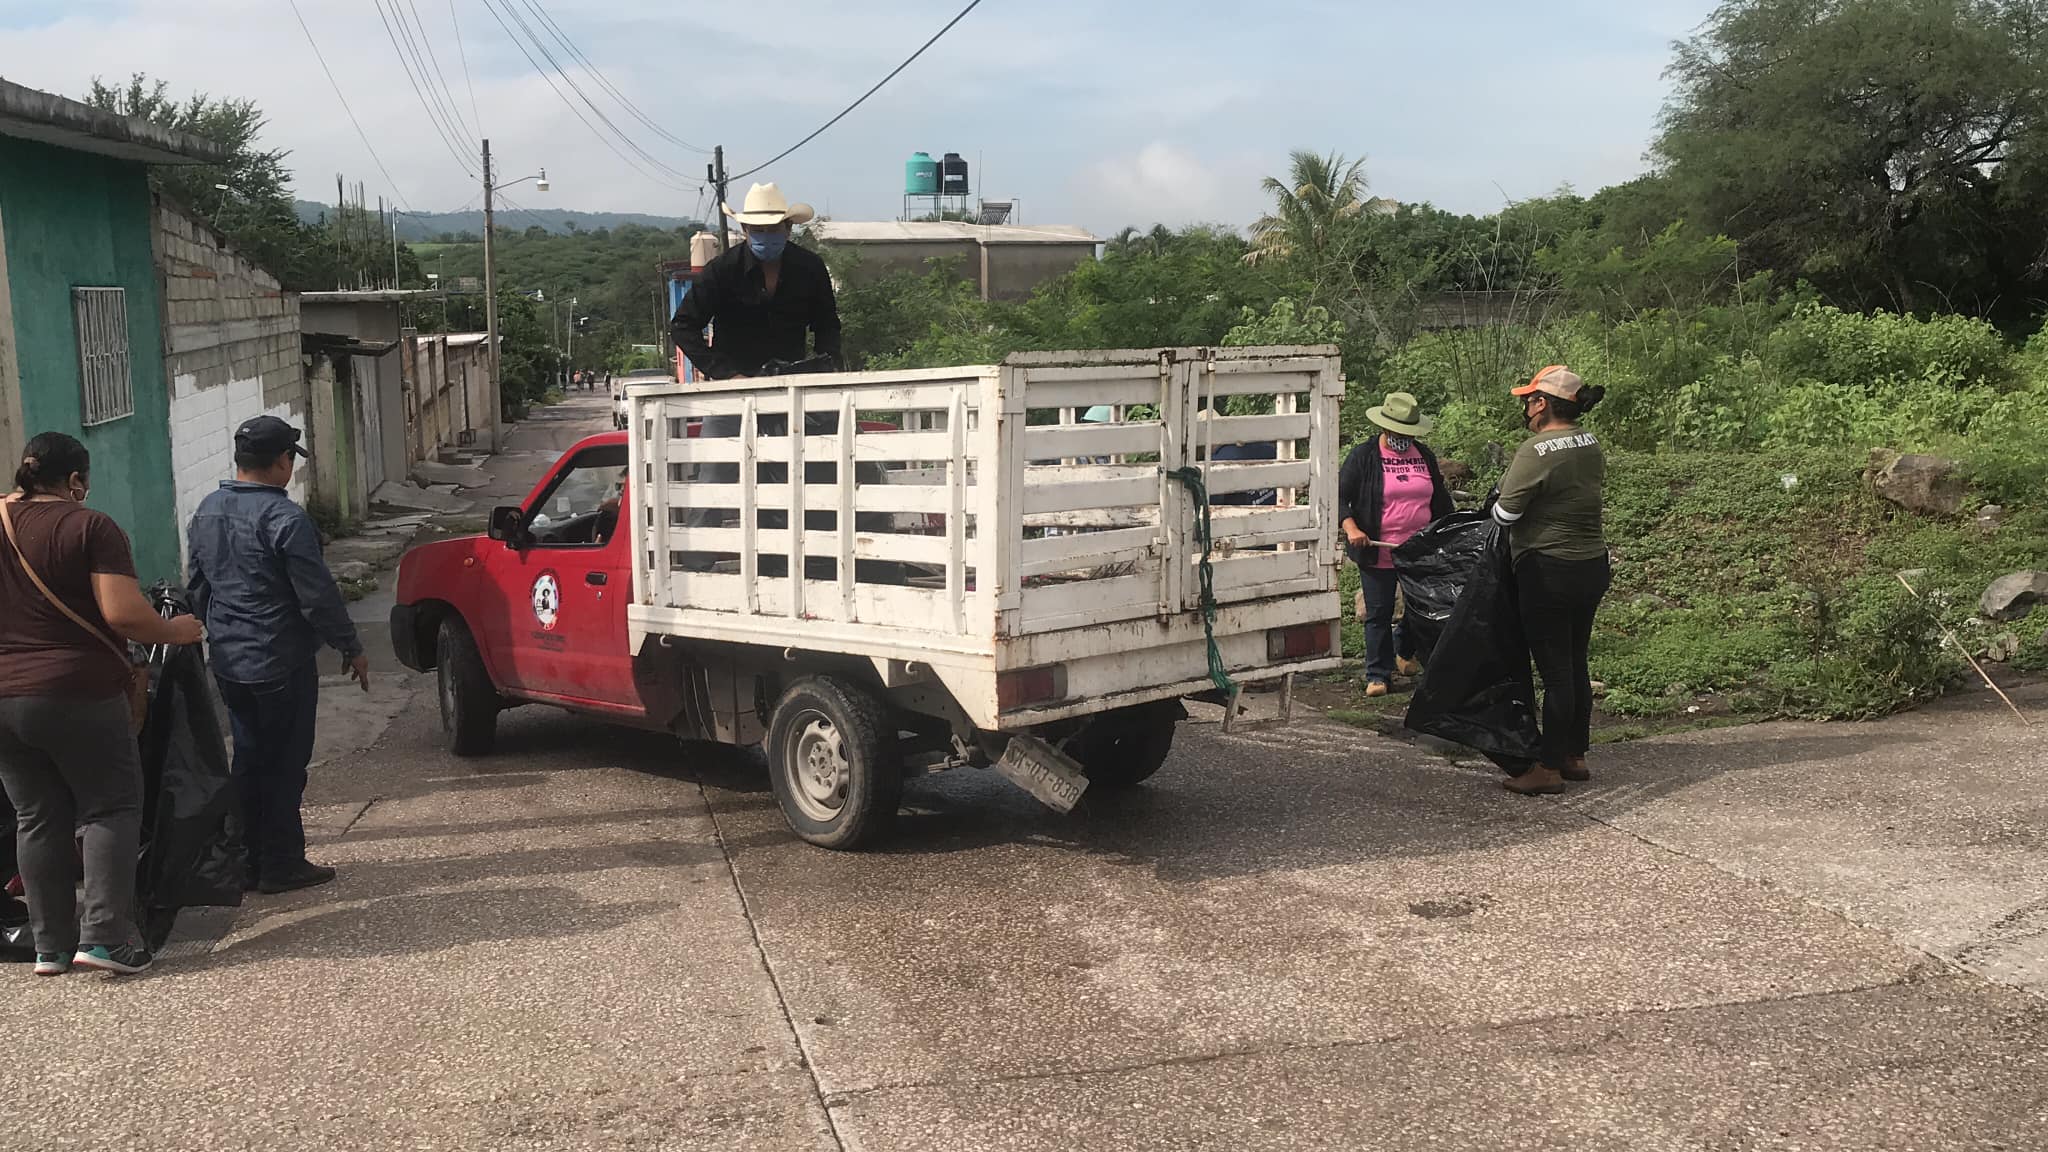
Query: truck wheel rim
x,y
447,697
819,770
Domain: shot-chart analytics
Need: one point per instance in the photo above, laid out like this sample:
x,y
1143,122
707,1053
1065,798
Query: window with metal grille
x,y
105,388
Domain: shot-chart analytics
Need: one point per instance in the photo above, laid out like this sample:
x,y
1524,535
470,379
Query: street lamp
x,y
491,289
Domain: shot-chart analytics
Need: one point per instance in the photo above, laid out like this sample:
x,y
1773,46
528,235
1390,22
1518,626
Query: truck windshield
x,y
582,506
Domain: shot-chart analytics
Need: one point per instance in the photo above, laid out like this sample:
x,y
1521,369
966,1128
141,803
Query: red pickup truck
x,y
543,622
969,577
535,611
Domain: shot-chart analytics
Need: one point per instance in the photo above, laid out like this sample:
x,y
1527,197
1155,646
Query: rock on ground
x,y
2013,595
1929,485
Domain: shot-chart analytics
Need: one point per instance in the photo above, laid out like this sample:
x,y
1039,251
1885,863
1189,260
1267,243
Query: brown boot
x,y
1541,780
1376,688
1407,666
1575,770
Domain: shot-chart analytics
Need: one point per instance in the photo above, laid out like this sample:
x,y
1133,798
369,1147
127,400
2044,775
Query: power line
x,y
972,5
439,129
541,11
517,42
415,66
427,42
524,211
464,53
531,35
360,134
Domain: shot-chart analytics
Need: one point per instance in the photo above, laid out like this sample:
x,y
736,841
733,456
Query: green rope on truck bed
x,y
1191,479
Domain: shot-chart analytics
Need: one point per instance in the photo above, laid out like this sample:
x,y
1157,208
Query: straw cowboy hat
x,y
766,204
1401,415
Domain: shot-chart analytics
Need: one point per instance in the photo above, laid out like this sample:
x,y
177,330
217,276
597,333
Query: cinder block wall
x,y
231,344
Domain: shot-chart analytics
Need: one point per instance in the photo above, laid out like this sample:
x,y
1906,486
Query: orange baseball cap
x,y
1556,380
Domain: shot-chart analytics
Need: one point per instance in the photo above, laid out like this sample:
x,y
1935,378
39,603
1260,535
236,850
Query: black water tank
x,y
953,175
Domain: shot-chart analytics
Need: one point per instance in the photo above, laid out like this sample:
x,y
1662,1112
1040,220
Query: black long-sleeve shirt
x,y
753,327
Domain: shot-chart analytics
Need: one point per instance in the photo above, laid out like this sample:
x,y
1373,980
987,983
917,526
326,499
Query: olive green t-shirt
x,y
1550,497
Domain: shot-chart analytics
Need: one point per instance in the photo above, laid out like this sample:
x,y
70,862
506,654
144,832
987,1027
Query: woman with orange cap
x,y
1550,504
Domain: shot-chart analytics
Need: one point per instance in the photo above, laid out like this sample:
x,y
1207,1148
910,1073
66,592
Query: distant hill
x,y
428,225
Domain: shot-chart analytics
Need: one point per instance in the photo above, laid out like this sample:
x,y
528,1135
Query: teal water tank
x,y
921,175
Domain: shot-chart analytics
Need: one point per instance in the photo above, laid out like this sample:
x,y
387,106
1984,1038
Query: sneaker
x,y
122,959
1376,688
52,963
304,874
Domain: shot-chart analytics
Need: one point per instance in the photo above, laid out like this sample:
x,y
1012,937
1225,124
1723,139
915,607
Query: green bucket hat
x,y
1401,415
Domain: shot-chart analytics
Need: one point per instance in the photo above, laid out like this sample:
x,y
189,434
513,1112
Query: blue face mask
x,y
767,246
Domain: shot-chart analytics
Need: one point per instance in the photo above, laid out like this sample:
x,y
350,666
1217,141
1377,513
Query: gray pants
x,y
71,766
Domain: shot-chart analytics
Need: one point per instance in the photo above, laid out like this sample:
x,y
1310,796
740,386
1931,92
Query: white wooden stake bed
x,y
968,529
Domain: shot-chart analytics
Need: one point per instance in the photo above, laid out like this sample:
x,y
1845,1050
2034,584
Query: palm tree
x,y
1321,192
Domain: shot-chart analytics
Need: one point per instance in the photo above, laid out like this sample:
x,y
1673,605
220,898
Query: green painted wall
x,y
74,219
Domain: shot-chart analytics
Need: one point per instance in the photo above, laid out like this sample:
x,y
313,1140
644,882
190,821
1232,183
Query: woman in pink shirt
x,y
1391,489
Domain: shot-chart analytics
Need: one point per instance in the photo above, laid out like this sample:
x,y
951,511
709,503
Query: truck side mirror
x,y
508,523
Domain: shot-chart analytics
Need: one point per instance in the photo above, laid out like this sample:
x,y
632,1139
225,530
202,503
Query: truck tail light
x,y
1030,686
1298,642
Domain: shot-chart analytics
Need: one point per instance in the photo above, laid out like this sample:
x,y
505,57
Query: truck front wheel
x,y
1122,749
469,701
832,758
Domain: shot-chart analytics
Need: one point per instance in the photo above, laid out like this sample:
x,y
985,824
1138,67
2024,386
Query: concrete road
x,y
1776,937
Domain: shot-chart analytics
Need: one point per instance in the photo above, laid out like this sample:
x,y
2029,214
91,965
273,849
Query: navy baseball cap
x,y
267,436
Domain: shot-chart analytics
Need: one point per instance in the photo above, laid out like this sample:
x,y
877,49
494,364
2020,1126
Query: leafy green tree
x,y
255,210
1891,151
1310,207
528,362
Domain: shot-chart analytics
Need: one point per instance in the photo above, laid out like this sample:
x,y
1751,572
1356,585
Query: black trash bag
x,y
1433,566
17,941
1478,689
192,854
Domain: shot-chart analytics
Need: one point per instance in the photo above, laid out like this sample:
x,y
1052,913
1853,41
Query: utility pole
x,y
394,238
716,170
495,390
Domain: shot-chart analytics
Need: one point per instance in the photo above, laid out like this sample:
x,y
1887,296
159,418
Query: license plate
x,y
1044,771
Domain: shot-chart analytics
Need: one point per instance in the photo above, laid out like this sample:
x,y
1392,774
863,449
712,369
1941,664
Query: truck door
x,y
566,590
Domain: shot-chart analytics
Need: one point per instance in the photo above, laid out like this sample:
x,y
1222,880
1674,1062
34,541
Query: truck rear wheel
x,y
833,761
469,701
1122,749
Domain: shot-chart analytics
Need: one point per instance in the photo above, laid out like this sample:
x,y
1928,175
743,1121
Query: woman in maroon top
x,y
68,757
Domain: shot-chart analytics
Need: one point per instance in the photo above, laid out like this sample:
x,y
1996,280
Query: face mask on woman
x,y
1399,444
767,246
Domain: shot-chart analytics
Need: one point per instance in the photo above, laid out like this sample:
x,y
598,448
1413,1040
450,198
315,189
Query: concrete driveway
x,y
1316,938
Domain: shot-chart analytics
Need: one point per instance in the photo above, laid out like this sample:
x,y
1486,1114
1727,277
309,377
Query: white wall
x,y
203,423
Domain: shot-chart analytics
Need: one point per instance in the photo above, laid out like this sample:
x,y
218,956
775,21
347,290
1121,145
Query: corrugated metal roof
x,y
939,231
465,339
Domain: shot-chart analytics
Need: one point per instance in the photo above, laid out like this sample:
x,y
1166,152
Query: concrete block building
x,y
81,335
231,351
1005,261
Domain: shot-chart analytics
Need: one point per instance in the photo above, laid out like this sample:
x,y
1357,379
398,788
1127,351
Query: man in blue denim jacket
x,y
261,584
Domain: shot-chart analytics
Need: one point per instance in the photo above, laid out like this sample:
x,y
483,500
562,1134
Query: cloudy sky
x,y
1091,113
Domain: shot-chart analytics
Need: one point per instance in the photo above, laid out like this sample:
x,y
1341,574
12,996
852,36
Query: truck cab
x,y
534,611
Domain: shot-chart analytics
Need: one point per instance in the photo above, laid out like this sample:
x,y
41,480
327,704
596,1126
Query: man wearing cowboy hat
x,y
760,298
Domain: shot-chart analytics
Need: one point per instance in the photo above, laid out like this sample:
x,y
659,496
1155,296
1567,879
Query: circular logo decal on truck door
x,y
547,600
